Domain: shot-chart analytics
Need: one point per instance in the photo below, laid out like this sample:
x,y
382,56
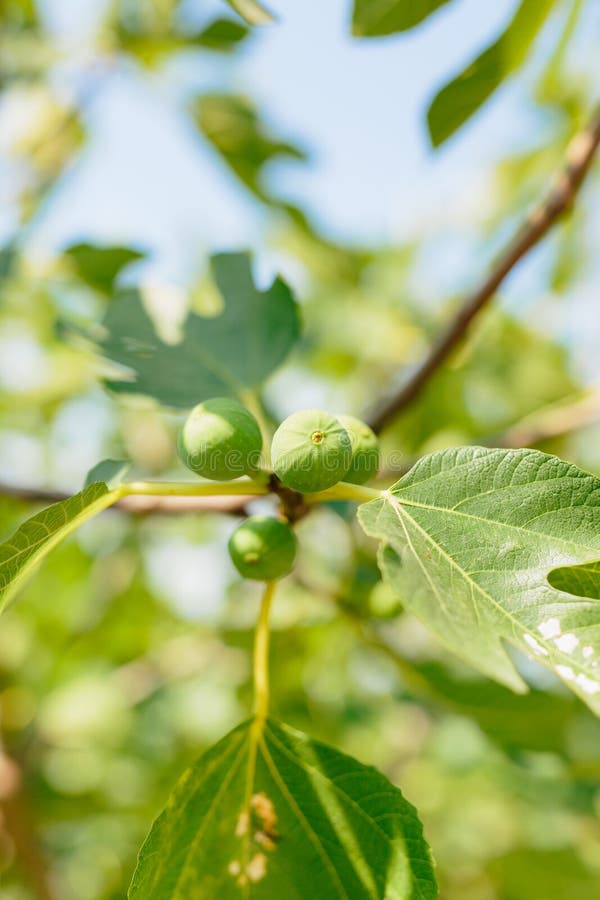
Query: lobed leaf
x,y
468,539
220,356
269,813
466,93
41,533
375,18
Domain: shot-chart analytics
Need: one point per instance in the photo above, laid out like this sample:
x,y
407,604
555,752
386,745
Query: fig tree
x,y
311,451
263,548
221,440
365,450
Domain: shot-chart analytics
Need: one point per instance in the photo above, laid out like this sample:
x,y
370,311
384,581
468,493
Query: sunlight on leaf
x,y
39,535
268,812
468,539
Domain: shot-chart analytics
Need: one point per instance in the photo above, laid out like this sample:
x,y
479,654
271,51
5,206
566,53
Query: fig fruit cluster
x,y
311,451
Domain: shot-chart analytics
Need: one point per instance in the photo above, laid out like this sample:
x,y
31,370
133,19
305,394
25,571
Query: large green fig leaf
x,y
224,355
39,535
469,537
268,813
464,95
374,18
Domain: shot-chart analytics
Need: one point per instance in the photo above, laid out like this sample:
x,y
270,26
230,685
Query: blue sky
x,y
356,106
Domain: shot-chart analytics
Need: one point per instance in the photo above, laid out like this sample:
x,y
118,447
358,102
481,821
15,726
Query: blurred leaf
x,y
222,34
556,874
18,13
8,258
100,267
233,126
373,18
468,538
268,812
466,93
223,355
109,471
253,12
537,721
40,534
581,581
506,372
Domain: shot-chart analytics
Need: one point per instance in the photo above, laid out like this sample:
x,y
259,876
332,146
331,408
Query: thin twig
x,y
140,505
552,422
578,159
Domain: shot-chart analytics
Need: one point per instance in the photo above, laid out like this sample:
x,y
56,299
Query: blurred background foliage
x,y
129,652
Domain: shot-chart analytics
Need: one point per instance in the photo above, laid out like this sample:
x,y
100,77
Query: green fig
x,y
365,450
311,451
263,548
221,440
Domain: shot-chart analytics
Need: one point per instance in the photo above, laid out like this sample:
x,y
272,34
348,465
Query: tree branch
x,y
556,421
578,159
139,505
18,823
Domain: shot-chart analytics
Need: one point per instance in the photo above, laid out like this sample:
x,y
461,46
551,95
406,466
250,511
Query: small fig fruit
x,y
365,450
311,451
221,440
263,548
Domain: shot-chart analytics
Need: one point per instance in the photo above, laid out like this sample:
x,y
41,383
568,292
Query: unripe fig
x,y
263,548
221,440
365,450
311,451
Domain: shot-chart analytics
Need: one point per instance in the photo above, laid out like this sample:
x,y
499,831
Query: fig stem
x,y
190,489
244,487
260,666
345,491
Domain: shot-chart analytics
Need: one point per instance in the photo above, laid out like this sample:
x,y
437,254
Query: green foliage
x,y
268,812
220,356
468,539
263,548
99,267
311,451
374,18
233,126
223,35
221,440
466,93
132,654
41,533
481,391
